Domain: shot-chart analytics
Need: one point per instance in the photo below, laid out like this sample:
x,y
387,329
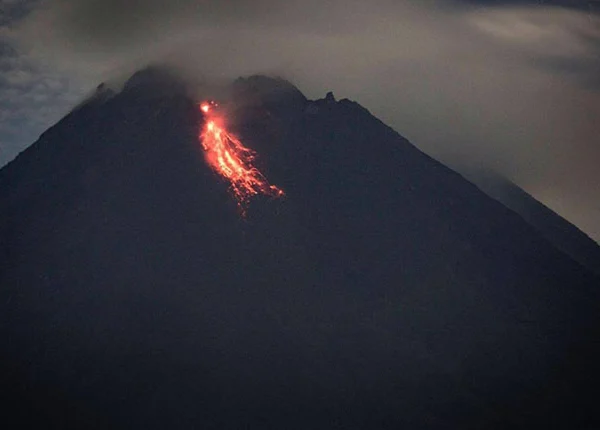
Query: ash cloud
x,y
513,87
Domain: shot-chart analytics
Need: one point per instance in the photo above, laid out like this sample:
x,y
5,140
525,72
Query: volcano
x,y
381,290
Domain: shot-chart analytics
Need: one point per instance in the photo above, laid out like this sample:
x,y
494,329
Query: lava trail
x,y
231,159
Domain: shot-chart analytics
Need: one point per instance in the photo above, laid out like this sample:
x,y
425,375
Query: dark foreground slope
x,y
384,291
560,232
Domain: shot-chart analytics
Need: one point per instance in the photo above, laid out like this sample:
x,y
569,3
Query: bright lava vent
x,y
227,156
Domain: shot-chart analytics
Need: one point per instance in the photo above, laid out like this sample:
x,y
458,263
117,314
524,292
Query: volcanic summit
x,y
382,290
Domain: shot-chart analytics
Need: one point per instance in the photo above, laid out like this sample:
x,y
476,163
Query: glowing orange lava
x,y
231,159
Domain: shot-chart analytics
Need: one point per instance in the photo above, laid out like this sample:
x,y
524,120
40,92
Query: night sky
x,y
510,86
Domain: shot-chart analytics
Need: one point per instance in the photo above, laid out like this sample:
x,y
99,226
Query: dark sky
x,y
479,84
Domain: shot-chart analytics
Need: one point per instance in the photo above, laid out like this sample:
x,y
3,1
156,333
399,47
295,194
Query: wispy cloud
x,y
32,96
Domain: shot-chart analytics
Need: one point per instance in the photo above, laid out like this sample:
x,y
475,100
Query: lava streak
x,y
231,159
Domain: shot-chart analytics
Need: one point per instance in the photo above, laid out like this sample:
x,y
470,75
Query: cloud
x,y
31,99
13,10
585,5
513,88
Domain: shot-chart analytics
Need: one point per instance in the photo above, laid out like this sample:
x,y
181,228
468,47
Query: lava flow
x,y
231,159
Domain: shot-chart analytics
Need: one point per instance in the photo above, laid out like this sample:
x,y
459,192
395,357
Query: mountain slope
x,y
561,233
383,291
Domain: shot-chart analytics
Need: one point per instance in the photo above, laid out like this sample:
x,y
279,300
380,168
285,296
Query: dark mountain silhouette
x,y
383,291
560,232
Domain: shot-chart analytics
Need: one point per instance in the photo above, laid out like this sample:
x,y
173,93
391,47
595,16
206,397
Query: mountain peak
x,y
269,91
383,291
158,79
